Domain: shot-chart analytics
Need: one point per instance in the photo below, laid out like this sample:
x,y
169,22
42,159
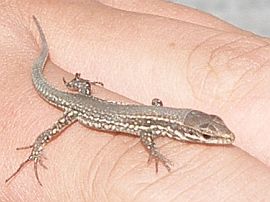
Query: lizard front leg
x,y
81,85
148,142
42,140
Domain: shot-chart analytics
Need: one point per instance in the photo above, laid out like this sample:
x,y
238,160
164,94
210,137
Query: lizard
x,y
147,122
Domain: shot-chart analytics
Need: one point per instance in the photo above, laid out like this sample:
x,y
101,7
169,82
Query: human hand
x,y
184,57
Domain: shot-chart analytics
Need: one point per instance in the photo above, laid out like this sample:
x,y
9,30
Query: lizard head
x,y
208,129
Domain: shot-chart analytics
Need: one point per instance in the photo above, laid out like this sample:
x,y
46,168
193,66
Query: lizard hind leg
x,y
35,156
81,85
148,142
42,140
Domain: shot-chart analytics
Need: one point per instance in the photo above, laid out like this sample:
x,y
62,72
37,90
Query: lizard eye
x,y
206,137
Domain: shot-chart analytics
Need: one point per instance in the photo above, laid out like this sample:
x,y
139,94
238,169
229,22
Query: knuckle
x,y
223,64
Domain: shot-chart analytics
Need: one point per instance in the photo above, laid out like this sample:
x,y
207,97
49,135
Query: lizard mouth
x,y
223,139
229,139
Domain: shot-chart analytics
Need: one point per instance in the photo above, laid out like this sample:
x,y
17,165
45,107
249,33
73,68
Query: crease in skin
x,y
127,171
216,68
156,181
189,188
133,170
189,68
128,149
99,168
211,69
256,68
223,45
193,170
114,166
237,94
94,179
253,50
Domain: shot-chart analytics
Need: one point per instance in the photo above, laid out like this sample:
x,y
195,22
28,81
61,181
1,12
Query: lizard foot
x,y
35,156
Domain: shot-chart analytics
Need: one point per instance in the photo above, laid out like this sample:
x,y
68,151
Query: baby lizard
x,y
145,122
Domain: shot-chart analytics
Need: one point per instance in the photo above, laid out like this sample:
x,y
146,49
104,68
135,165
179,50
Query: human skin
x,y
142,50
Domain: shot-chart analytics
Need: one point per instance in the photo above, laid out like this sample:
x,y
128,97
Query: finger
x,y
172,10
175,11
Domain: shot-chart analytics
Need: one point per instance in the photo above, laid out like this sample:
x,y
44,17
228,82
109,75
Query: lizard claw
x,y
37,160
160,158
